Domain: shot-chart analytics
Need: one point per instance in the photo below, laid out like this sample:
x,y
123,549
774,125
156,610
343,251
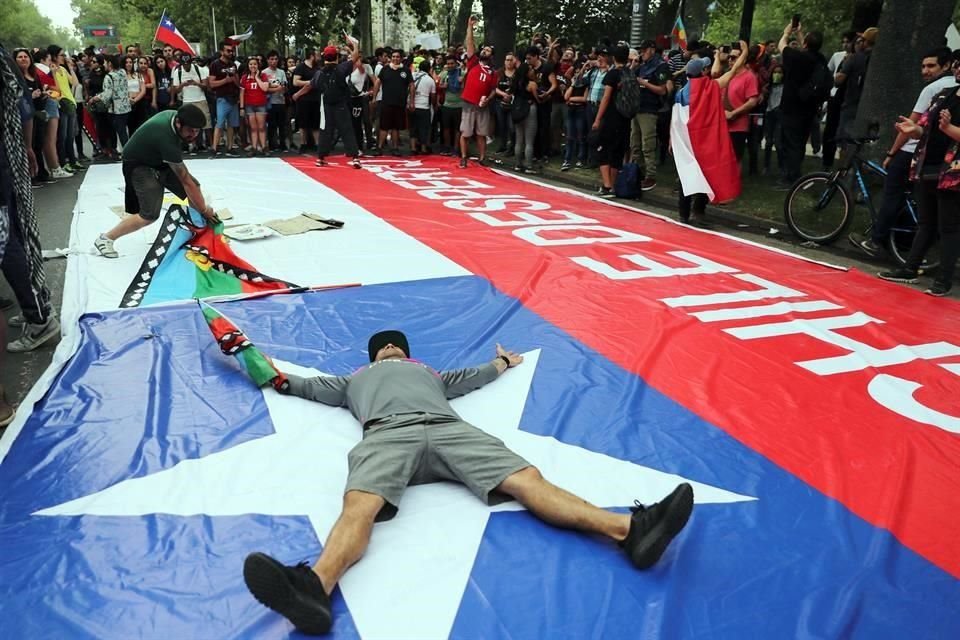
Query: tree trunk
x,y
500,26
695,17
464,10
892,82
746,20
866,14
364,26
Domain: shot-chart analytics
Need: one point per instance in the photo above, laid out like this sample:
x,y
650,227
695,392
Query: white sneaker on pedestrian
x,y
35,335
59,173
104,245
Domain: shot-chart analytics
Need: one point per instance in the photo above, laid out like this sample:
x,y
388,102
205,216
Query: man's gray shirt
x,y
389,389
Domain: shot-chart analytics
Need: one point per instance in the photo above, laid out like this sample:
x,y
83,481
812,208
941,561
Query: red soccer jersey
x,y
253,95
480,81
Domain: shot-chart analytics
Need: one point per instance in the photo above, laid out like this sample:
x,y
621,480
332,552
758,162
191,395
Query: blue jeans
x,y
228,113
65,136
576,135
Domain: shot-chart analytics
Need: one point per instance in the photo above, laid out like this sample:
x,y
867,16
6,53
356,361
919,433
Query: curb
x,y
723,216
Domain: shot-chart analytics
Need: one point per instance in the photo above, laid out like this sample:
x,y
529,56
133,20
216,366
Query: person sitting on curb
x,y
152,162
413,435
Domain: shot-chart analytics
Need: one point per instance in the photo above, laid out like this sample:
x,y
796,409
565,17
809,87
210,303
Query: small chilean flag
x,y
240,37
167,33
701,143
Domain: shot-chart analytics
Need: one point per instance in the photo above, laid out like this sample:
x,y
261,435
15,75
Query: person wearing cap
x,y
411,435
152,162
653,74
330,82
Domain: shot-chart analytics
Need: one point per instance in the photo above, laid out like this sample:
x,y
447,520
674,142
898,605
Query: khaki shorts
x,y
475,121
203,106
391,457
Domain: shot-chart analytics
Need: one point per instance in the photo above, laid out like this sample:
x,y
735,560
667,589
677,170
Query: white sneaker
x,y
104,245
34,335
59,173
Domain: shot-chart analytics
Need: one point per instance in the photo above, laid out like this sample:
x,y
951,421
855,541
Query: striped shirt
x,y
595,92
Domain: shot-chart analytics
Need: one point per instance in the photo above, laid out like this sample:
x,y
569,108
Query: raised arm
x,y
328,390
469,45
741,60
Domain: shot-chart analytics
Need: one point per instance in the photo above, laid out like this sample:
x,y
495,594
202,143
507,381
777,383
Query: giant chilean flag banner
x,y
815,410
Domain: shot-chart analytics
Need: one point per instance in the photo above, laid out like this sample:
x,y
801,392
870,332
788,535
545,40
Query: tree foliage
x,y
21,24
771,16
288,25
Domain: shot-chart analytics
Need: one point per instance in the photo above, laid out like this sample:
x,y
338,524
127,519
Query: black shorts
x,y
450,118
612,141
392,118
308,114
144,186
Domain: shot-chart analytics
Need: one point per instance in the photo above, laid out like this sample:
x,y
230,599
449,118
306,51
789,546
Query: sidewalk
x,y
759,209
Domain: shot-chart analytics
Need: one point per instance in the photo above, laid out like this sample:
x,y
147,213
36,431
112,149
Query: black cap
x,y
191,116
380,340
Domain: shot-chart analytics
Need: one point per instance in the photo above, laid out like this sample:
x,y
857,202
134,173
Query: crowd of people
x,y
603,107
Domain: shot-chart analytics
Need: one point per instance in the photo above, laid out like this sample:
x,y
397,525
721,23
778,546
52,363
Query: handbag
x,y
520,111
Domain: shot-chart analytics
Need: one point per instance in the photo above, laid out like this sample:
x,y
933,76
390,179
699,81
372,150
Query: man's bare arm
x,y
194,195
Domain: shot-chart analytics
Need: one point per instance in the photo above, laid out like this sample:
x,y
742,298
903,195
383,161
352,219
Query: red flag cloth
x,y
167,33
711,140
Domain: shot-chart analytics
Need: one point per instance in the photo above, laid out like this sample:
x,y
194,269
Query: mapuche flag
x,y
167,33
233,342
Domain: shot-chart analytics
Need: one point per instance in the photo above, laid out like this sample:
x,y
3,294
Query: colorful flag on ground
x,y
701,142
233,342
240,37
191,259
679,33
167,33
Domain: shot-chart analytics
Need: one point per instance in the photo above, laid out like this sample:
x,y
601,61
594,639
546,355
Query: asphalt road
x,y
55,202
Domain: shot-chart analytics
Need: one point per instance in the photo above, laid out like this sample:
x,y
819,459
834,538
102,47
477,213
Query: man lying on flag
x,y
152,162
411,435
706,164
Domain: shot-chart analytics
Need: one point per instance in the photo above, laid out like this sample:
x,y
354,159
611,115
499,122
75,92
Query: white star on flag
x,y
403,587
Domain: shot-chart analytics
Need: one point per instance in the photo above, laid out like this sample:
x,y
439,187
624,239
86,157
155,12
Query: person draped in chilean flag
x,y
701,145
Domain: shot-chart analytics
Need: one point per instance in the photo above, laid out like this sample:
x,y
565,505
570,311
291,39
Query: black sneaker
x,y
902,274
463,163
295,592
652,528
604,192
231,153
938,289
395,152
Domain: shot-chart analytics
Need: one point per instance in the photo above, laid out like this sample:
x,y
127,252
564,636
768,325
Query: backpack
x,y
628,99
817,88
627,184
331,85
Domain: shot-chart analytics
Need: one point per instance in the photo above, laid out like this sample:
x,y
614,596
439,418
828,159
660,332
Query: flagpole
x,y
213,16
153,45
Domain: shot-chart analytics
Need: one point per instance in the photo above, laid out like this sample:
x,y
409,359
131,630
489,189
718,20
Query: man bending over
x,y
152,162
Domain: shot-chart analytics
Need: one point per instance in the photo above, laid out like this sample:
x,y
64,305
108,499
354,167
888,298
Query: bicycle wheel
x,y
818,208
901,240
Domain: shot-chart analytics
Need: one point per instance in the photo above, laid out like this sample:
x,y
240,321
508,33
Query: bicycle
x,y
819,206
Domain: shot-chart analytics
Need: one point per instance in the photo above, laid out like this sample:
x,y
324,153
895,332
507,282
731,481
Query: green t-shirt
x,y
156,142
452,99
